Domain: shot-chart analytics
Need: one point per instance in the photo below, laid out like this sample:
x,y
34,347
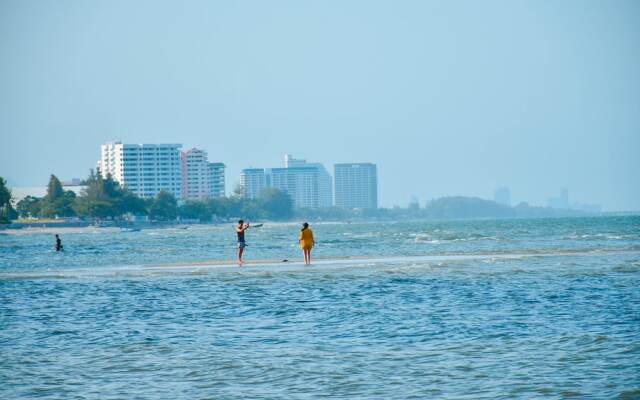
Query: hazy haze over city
x,y
448,98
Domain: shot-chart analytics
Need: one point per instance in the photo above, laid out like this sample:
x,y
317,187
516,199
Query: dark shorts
x,y
242,245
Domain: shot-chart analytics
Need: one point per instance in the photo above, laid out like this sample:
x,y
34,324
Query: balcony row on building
x,y
146,169
355,185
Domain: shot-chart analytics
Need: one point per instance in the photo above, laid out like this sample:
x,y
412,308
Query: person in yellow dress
x,y
306,242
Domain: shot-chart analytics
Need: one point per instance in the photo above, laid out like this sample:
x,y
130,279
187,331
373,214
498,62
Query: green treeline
x,y
7,212
104,198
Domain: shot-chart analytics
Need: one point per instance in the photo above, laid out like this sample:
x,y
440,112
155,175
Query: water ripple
x,y
560,322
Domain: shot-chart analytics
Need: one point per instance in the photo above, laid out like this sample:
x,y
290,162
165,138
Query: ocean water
x,y
546,308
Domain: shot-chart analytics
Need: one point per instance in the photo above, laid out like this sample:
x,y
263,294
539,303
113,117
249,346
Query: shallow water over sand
x,y
482,309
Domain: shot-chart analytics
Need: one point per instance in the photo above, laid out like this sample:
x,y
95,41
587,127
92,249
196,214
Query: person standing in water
x,y
241,241
58,243
306,242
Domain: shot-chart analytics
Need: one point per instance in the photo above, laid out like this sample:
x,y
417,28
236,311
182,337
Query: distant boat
x,y
129,229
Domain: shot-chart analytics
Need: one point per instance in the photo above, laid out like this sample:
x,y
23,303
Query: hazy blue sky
x,y
450,97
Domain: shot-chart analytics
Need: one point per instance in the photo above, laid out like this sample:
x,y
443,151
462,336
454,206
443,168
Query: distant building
x,y
252,181
20,192
145,169
72,182
290,162
503,196
356,185
195,174
561,202
324,182
414,203
217,183
564,198
301,183
308,184
200,178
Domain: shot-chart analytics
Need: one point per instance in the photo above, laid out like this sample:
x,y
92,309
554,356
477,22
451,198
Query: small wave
x,y
570,393
627,268
367,235
423,238
431,241
629,394
598,236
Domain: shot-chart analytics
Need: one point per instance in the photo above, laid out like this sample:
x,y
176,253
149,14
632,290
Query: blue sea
x,y
486,309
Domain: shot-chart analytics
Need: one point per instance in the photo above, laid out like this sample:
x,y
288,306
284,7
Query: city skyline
x,y
545,199
149,168
543,97
217,185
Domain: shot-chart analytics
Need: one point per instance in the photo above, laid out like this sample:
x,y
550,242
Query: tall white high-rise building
x,y
300,182
356,185
195,174
325,182
308,184
252,181
201,179
216,178
145,169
